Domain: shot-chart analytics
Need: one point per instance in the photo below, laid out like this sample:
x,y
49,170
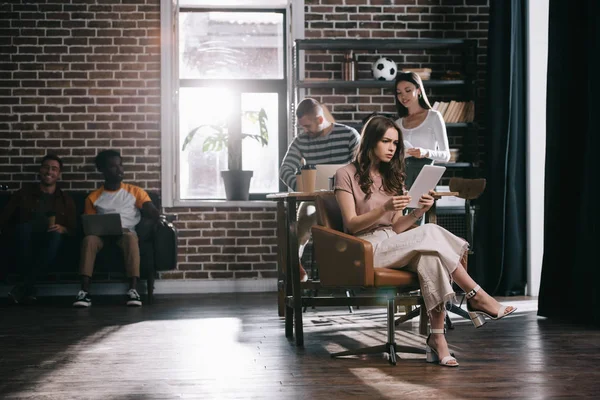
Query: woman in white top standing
x,y
423,129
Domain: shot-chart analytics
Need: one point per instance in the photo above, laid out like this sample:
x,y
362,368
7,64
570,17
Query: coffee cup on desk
x,y
299,185
309,178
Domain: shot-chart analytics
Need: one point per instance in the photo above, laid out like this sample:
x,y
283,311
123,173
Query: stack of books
x,y
424,73
456,111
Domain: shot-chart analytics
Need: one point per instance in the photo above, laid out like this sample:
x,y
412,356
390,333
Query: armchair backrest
x,y
329,214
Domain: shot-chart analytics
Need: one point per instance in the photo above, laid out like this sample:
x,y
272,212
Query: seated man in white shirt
x,y
130,202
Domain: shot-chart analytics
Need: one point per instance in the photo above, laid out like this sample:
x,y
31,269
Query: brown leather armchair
x,y
345,261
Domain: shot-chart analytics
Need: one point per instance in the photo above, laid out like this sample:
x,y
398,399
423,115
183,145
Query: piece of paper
x,y
407,146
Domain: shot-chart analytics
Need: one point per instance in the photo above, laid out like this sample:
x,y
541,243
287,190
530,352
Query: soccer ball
x,y
384,69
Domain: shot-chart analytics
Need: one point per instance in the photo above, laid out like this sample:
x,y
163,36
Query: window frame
x,y
170,84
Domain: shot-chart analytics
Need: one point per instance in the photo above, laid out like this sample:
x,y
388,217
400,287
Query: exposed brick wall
x,y
225,243
76,78
380,19
79,77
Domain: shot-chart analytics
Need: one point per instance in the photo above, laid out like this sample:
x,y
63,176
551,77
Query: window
x,y
229,104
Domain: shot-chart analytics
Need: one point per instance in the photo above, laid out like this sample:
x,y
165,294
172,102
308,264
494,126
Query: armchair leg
x,y
390,348
150,287
349,294
456,310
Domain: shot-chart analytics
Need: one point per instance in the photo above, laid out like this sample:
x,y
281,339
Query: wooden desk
x,y
287,258
289,288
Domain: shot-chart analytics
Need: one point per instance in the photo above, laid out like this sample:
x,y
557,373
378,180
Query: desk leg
x,y
294,271
281,257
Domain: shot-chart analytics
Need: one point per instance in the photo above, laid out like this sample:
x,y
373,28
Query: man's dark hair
x,y
53,157
307,106
103,156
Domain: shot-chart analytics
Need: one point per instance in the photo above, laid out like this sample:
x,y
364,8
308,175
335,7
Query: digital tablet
x,y
428,178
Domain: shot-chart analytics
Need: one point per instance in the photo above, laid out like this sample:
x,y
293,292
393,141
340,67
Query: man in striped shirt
x,y
323,142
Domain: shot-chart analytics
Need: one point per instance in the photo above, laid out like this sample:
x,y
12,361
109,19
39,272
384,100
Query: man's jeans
x,y
35,251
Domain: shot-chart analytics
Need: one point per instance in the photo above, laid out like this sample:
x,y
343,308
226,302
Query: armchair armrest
x,y
342,259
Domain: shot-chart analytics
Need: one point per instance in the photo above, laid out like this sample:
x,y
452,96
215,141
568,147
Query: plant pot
x,y
237,184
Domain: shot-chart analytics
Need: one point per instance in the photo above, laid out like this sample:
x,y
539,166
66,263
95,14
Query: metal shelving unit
x,y
467,48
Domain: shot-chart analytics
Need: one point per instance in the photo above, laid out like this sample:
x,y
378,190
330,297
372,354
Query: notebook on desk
x,y
324,172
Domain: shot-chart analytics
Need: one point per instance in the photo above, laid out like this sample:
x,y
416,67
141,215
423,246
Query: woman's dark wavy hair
x,y
415,79
392,173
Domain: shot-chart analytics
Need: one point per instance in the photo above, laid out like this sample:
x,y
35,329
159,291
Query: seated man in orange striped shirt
x,y
130,202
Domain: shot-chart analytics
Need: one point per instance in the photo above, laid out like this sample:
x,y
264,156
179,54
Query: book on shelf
x,y
456,111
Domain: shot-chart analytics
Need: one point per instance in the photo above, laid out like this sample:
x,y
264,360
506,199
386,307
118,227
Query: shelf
x,y
377,44
459,124
368,83
455,164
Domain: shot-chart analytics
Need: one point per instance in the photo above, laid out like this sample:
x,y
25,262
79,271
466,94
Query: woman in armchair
x,y
370,192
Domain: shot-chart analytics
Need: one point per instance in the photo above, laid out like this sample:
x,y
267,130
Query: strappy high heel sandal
x,y
478,317
432,354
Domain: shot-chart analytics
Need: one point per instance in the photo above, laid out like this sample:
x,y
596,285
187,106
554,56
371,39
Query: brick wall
x,y
79,77
76,78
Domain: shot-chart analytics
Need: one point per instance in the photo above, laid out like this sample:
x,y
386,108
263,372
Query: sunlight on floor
x,y
202,351
390,387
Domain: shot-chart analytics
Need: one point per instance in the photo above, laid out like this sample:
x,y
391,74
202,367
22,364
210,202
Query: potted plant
x,y
217,137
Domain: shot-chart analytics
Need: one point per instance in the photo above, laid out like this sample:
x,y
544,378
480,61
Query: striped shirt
x,y
125,201
337,147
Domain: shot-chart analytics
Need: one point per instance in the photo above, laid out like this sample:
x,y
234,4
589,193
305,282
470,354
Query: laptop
x,y
102,224
324,172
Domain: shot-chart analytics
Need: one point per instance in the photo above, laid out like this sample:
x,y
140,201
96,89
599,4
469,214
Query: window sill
x,y
225,203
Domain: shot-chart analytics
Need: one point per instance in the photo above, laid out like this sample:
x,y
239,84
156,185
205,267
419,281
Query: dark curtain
x,y
571,266
501,230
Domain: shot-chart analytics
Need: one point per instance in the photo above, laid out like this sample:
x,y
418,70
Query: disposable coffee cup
x,y
299,184
309,178
51,218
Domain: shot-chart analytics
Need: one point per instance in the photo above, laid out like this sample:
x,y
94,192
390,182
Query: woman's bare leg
x,y
438,340
482,301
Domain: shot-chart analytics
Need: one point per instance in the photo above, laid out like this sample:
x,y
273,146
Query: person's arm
x,y
290,164
150,211
442,153
144,203
70,212
9,209
401,223
69,226
353,145
88,207
356,223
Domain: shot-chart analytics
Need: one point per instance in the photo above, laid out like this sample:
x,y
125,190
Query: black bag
x,y
165,245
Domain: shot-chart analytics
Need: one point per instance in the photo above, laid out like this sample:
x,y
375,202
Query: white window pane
x,y
233,3
263,160
231,45
209,109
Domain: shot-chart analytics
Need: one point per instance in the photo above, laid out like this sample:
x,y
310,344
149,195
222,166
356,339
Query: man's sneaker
x,y
15,296
133,298
82,299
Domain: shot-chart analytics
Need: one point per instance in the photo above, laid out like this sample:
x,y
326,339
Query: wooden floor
x,y
233,346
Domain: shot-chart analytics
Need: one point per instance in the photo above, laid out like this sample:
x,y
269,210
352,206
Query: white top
x,y
125,201
430,136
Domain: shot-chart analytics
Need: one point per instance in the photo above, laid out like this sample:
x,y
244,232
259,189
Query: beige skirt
x,y
429,250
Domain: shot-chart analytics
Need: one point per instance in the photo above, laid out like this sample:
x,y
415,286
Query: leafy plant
x,y
219,137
